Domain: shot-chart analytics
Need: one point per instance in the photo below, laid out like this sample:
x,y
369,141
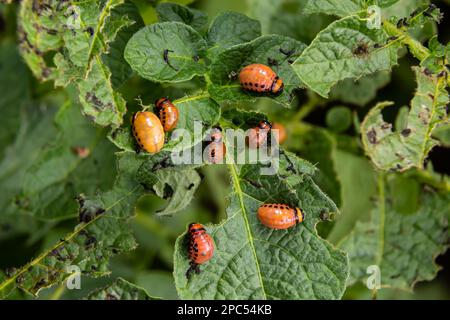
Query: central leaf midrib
x,y
101,21
430,126
239,193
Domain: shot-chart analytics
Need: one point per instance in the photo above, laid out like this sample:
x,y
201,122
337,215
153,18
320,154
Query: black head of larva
x,y
264,124
160,103
216,134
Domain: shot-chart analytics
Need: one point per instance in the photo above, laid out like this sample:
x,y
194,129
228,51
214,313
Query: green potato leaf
x,y
146,50
14,81
175,12
77,35
229,29
404,247
103,233
340,8
251,261
403,9
114,59
36,130
177,185
345,49
77,159
409,147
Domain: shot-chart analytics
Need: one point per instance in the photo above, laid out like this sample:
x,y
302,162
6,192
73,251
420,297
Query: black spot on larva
x,y
406,132
372,136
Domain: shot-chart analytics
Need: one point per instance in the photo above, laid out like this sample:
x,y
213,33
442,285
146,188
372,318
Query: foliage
x,y
76,193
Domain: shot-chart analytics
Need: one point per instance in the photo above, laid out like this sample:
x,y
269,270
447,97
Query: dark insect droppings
x,y
406,132
393,38
90,30
272,62
166,58
372,136
362,49
287,53
190,186
386,126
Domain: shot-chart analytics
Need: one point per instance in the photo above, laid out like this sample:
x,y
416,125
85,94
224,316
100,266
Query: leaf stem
x,y
417,49
305,109
428,178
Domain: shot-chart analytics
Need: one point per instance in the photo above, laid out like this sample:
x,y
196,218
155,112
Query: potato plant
x,y
364,105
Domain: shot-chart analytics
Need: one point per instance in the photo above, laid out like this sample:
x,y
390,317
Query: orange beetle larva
x,y
279,216
282,134
201,247
168,113
216,150
258,136
148,131
260,78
